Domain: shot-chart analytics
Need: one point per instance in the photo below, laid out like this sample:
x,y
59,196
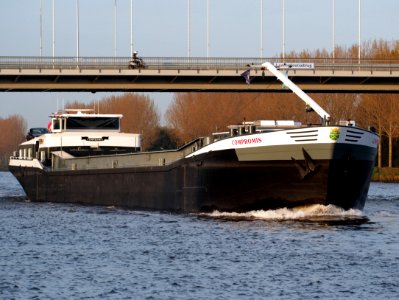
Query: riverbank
x,y
386,174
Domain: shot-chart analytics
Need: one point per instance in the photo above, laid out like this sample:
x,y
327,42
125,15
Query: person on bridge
x,y
136,62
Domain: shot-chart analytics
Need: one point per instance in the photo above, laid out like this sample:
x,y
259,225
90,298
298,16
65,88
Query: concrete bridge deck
x,y
193,74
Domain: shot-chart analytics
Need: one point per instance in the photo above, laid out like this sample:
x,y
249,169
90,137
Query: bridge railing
x,y
188,63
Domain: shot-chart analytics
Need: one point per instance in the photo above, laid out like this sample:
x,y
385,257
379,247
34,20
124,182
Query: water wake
x,y
311,212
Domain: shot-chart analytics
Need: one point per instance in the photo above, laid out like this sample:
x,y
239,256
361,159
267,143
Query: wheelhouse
x,y
79,120
79,133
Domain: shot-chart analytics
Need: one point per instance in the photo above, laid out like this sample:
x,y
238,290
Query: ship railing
x,y
21,158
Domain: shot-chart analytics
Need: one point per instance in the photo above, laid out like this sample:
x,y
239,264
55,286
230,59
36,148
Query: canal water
x,y
63,251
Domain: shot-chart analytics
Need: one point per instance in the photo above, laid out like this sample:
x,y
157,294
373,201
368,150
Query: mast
x,y
325,116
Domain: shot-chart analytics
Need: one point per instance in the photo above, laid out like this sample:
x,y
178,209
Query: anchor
x,y
309,169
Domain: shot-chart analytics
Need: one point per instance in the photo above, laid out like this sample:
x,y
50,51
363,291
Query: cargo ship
x,y
258,165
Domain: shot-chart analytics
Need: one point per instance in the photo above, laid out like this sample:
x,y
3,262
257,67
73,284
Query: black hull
x,y
212,181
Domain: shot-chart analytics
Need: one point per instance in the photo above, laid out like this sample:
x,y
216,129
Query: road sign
x,y
287,65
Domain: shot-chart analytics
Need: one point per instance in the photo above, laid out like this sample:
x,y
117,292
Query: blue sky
x,y
160,29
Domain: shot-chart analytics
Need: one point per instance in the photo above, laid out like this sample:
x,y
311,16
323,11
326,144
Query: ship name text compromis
x,y
248,141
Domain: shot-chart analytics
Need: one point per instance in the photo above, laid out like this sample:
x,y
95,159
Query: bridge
x,y
184,74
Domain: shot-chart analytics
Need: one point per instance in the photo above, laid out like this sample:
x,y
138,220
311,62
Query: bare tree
x,y
12,133
199,114
339,106
390,126
370,114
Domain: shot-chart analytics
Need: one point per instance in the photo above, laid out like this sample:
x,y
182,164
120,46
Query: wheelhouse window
x,y
101,123
56,124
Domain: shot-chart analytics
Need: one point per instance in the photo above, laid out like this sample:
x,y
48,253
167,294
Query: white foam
x,y
298,213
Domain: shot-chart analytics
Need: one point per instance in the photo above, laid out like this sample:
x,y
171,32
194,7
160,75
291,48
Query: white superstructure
x,y
76,133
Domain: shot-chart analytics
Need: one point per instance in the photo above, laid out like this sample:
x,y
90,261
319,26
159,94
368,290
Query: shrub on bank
x,y
386,174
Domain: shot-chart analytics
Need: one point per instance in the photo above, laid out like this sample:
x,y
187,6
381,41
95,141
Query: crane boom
x,y
325,116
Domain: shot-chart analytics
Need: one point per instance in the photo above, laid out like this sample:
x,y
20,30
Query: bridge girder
x,y
178,80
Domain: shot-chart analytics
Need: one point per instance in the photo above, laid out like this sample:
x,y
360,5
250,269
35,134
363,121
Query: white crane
x,y
325,116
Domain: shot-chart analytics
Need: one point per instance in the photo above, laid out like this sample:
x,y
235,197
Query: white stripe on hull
x,y
303,136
